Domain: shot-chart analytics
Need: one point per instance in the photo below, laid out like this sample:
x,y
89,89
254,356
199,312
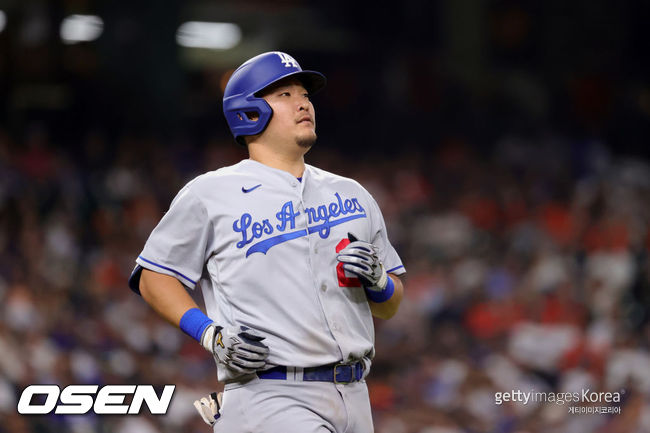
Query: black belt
x,y
337,373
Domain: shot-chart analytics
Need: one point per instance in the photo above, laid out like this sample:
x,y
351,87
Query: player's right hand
x,y
238,347
209,408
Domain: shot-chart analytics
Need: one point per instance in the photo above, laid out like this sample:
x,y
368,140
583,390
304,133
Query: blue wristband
x,y
194,322
384,295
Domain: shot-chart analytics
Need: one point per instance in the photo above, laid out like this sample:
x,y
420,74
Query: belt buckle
x,y
352,376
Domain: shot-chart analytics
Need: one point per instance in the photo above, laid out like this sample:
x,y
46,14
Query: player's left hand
x,y
362,259
209,407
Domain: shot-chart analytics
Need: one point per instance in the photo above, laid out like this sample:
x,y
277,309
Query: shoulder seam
x,y
197,198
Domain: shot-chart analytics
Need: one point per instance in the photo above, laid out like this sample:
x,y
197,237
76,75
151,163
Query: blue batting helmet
x,y
240,96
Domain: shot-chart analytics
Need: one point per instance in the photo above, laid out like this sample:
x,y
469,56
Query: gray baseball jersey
x,y
262,247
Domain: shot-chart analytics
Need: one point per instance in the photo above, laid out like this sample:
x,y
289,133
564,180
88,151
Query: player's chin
x,y
306,140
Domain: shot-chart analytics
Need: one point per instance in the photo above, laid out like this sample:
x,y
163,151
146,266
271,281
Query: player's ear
x,y
251,115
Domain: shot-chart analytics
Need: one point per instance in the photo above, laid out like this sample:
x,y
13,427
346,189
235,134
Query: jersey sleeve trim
x,y
168,269
396,268
134,279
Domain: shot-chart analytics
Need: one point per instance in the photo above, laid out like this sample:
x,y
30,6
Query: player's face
x,y
293,117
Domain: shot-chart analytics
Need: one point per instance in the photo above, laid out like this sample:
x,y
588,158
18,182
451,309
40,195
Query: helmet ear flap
x,y
250,119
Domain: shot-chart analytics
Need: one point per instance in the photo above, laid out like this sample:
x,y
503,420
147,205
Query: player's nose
x,y
303,104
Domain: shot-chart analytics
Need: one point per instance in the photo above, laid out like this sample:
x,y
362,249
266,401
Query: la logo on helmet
x,y
287,60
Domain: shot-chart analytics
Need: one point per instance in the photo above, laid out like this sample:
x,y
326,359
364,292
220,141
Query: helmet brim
x,y
312,80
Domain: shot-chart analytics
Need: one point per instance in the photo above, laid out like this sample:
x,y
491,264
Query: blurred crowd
x,y
528,269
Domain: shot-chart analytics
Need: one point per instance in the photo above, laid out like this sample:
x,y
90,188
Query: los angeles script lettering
x,y
286,219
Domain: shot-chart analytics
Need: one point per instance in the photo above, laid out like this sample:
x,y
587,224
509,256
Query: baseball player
x,y
292,261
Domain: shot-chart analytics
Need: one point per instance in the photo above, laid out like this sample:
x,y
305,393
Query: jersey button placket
x,y
301,205
321,289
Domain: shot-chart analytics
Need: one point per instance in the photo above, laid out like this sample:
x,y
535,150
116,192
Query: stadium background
x,y
506,142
